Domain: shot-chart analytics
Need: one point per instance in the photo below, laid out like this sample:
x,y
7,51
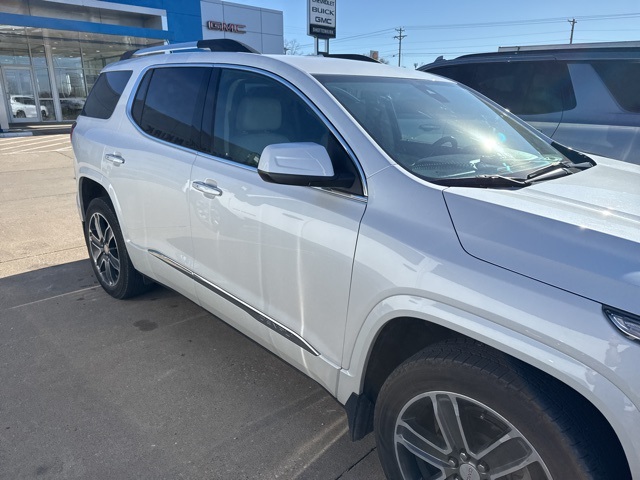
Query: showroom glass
x,y
440,130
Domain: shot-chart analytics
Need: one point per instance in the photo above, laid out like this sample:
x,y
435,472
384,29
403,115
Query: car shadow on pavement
x,y
153,387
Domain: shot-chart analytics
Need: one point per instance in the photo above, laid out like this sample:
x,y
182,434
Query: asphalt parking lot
x,y
149,388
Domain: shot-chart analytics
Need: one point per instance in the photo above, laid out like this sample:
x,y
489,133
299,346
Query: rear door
x,y
148,162
274,260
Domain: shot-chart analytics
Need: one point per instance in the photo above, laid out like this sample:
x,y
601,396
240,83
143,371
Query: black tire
x,y
481,395
108,254
20,114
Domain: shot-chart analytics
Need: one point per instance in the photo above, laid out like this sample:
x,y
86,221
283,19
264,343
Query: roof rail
x,y
214,45
571,46
349,56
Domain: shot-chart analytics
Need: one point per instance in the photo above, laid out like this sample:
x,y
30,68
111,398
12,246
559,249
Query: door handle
x,y
206,188
114,158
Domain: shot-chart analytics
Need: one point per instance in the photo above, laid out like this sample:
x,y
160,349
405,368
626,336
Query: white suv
x,y
24,106
466,288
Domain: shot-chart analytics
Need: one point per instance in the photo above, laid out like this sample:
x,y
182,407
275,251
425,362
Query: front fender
x,y
596,381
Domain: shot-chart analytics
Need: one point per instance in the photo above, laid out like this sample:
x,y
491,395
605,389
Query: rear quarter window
x,y
105,94
622,79
169,104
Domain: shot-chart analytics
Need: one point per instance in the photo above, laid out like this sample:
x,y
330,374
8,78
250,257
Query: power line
x,y
356,37
368,36
536,21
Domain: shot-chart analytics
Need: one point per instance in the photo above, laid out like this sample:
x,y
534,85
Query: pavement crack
x,y
355,464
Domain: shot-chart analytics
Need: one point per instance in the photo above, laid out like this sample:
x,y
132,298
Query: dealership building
x,y
51,51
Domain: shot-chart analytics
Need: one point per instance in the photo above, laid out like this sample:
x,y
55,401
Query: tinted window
x,y
25,100
524,88
105,94
169,104
460,73
622,79
252,111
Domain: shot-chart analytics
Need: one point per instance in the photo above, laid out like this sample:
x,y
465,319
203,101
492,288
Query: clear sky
x,y
454,28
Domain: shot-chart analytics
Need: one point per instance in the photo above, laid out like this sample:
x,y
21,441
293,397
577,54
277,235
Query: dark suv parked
x,y
584,95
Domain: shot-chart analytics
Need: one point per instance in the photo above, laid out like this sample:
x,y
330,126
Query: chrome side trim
x,y
256,314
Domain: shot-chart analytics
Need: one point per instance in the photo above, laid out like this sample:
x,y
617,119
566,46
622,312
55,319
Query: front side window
x,y
105,94
169,104
441,131
252,111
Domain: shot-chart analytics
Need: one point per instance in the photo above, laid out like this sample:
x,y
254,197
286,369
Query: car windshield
x,y
443,132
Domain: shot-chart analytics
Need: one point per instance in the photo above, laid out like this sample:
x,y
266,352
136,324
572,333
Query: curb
x,y
28,132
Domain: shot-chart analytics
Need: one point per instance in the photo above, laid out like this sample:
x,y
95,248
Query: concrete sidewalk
x,y
39,223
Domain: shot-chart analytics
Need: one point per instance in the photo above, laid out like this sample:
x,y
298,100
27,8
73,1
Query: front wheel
x,y
458,410
108,254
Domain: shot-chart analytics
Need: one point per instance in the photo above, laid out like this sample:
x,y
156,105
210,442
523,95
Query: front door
x,y
281,253
22,103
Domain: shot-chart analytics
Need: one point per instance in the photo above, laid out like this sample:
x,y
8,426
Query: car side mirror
x,y
304,164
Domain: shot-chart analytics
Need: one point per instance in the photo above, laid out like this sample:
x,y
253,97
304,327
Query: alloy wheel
x,y
104,250
444,435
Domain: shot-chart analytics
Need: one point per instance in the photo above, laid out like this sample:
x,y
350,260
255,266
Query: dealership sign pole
x,y
322,21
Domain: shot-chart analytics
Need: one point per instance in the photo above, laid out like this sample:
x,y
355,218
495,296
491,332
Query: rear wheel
x,y
108,254
459,411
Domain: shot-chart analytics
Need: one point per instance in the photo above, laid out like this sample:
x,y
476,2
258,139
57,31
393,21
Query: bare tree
x,y
292,47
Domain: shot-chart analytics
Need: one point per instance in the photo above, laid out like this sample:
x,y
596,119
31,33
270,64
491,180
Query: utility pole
x,y
400,36
573,24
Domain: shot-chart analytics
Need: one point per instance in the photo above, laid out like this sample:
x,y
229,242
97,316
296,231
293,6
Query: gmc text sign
x,y
226,27
322,18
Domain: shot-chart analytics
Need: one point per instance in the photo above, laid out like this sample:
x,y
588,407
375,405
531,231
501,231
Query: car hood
x,y
580,233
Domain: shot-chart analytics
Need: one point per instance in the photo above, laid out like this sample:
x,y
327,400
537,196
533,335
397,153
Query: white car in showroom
x,y
468,289
24,106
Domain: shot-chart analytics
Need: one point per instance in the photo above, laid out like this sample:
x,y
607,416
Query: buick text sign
x,y
322,18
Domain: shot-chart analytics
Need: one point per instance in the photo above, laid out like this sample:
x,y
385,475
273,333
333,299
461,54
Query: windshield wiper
x,y
558,169
552,170
482,181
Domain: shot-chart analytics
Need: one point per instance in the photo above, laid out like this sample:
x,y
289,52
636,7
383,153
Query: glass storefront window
x,y
90,77
45,95
71,90
14,48
37,65
19,92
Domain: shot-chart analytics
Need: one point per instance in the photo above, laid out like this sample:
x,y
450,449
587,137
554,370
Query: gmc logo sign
x,y
226,27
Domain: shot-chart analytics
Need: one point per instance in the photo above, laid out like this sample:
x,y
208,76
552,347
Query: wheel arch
x,y
400,337
88,189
